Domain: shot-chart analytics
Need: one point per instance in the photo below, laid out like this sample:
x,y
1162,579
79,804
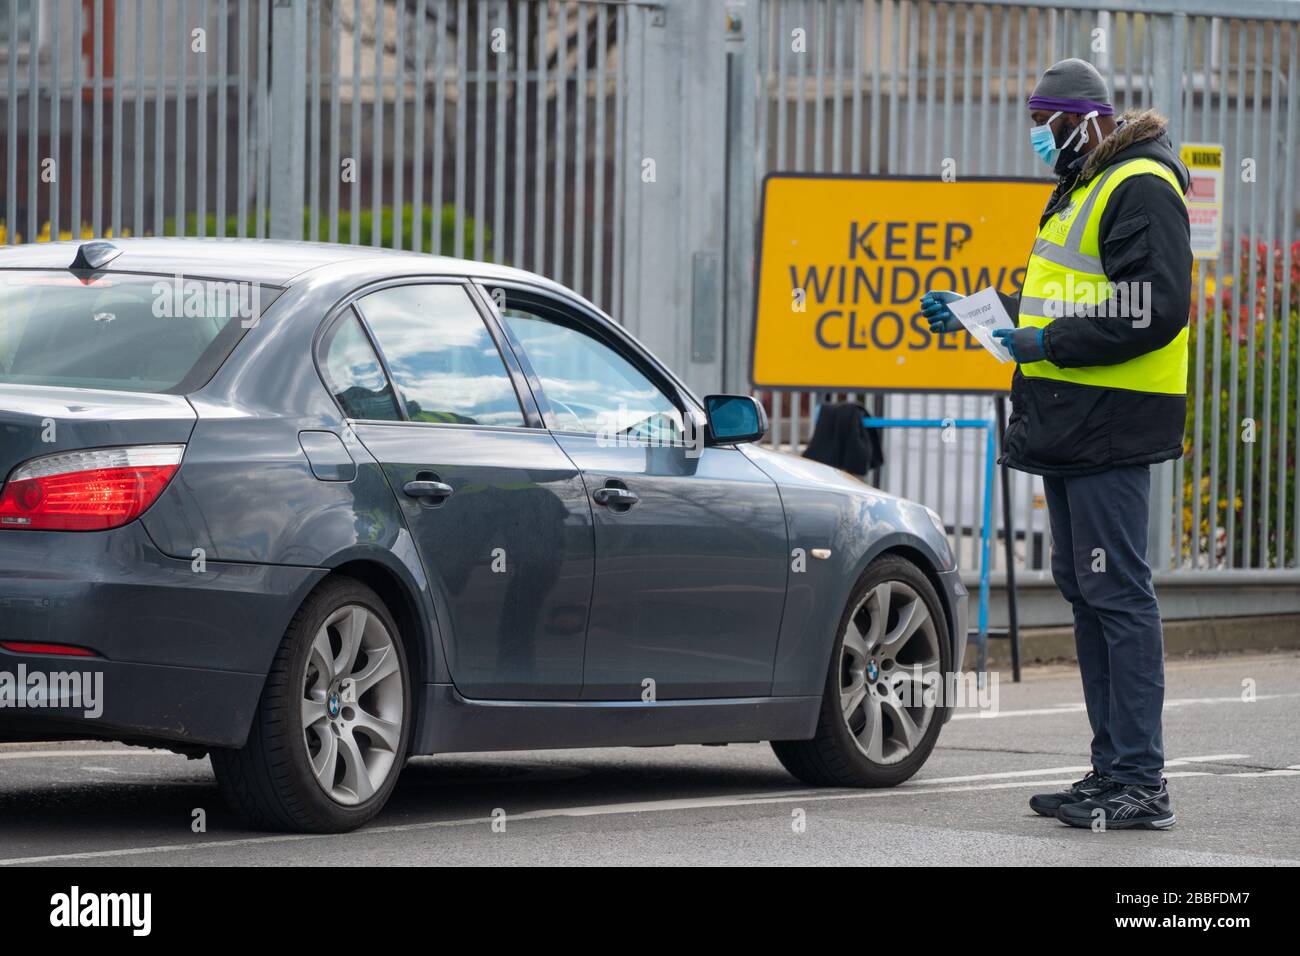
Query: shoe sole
x,y
1146,823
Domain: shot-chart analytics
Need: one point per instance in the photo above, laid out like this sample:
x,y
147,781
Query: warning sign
x,y
844,261
1204,161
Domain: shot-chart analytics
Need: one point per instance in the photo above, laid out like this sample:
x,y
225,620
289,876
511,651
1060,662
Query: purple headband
x,y
1065,105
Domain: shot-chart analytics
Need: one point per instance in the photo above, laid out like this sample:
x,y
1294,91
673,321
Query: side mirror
x,y
734,419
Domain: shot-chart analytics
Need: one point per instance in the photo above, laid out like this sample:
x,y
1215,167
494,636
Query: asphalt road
x,y
1234,775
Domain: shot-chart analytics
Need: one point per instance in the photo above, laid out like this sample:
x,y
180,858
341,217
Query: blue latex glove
x,y
1025,344
934,306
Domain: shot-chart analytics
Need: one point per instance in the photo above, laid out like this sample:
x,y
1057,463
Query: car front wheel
x,y
333,724
882,708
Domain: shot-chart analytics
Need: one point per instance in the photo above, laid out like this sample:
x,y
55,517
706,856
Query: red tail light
x,y
56,650
87,490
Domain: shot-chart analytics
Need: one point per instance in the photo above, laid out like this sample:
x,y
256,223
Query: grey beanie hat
x,y
1072,86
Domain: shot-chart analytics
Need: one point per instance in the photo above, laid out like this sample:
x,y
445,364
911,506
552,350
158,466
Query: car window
x,y
443,361
354,375
589,385
135,333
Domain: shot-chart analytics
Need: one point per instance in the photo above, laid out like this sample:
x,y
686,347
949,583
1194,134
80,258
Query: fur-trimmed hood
x,y
1141,133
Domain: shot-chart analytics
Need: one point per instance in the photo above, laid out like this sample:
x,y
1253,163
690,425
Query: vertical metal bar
x,y
263,113
620,166
1249,453
399,124
34,119
314,133
856,41
182,172
479,75
1022,19
932,29
417,132
336,32
986,73
500,145
377,133
906,145
439,120
1233,434
11,129
539,172
782,43
580,157
967,82
820,15
800,136
561,137
160,121
1274,154
1224,54
598,160
949,72
354,188
462,122
1002,130
222,157
56,130
1288,207
520,192
201,132
837,87
97,170
76,143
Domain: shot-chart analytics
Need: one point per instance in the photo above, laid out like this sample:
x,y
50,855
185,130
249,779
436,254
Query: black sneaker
x,y
1046,804
1123,807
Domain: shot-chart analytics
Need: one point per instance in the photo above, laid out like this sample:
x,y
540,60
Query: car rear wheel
x,y
882,707
332,728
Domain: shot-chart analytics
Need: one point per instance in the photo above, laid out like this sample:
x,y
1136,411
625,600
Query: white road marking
x,y
40,754
1050,771
652,806
1077,707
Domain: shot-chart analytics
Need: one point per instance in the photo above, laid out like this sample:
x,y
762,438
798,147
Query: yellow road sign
x,y
844,261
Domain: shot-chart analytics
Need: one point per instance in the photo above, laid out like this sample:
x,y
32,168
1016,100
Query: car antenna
x,y
91,259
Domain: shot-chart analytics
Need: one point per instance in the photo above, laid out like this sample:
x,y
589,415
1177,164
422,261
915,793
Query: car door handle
x,y
615,497
437,490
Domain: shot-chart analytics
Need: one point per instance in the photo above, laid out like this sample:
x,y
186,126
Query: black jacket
x,y
1061,428
842,441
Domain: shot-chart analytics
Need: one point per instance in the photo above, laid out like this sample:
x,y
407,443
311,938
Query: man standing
x,y
1098,396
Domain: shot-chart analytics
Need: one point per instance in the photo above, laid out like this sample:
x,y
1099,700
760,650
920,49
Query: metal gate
x,y
528,131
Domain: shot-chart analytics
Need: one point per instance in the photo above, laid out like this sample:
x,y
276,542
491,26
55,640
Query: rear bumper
x,y
183,648
92,698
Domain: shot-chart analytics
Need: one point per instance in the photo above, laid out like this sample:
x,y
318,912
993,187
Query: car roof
x,y
276,262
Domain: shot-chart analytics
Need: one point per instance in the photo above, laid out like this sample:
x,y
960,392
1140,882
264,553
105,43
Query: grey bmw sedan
x,y
311,510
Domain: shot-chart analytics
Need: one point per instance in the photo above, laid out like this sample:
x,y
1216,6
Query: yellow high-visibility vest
x,y
1065,272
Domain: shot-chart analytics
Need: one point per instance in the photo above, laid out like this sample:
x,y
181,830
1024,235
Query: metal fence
x,y
519,131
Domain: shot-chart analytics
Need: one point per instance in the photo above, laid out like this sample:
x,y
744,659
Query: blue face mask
x,y
1043,140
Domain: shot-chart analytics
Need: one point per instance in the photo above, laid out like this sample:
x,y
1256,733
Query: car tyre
x,y
332,728
866,735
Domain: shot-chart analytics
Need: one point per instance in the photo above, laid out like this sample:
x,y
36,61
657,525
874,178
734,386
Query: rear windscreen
x,y
132,333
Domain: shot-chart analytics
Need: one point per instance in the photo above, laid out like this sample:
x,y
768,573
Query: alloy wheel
x,y
352,705
889,670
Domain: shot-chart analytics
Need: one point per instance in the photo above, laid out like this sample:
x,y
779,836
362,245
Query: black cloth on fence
x,y
842,441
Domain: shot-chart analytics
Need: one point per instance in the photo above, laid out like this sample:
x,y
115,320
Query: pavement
x,y
1234,776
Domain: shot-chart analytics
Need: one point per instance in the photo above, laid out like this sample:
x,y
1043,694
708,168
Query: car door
x,y
691,556
498,512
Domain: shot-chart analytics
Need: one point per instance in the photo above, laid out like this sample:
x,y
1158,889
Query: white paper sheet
x,y
981,313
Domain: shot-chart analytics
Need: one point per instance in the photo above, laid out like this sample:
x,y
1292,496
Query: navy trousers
x,y
1099,531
